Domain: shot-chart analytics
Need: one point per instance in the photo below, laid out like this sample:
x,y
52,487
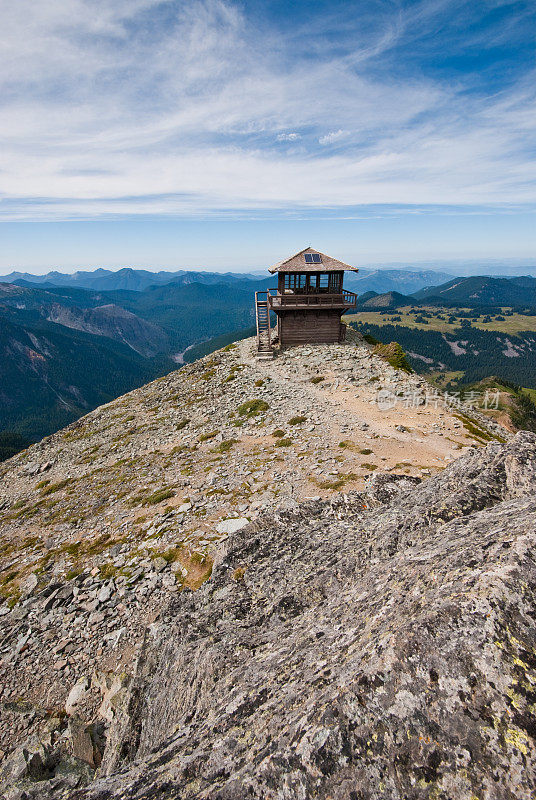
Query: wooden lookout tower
x,y
309,302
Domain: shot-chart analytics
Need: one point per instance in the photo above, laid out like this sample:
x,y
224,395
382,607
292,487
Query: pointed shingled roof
x,y
297,263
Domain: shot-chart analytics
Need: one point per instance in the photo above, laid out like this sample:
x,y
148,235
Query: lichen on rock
x,y
377,645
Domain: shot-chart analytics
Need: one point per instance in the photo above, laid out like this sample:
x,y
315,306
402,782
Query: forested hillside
x,y
474,352
50,375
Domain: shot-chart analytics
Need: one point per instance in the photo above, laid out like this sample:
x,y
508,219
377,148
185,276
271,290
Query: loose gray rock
x,y
350,649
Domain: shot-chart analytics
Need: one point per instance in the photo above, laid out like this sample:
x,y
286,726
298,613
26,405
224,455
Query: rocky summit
x,y
263,580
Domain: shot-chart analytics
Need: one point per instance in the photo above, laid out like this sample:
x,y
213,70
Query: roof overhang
x,y
297,263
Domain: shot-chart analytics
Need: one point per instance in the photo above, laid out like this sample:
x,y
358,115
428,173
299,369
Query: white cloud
x,y
333,136
156,106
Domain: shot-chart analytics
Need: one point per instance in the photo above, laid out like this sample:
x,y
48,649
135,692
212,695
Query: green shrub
x,y
182,424
297,420
278,433
317,379
283,443
394,355
252,407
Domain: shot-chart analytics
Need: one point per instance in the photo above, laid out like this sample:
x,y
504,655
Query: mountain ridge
x,y
105,521
353,640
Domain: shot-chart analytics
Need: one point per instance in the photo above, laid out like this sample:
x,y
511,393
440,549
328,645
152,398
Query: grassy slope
x,y
515,324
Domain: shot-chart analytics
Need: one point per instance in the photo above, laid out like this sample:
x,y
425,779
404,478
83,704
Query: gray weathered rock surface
x,y
378,645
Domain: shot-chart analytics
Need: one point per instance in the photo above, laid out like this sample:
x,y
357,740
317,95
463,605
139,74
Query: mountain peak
x,y
107,521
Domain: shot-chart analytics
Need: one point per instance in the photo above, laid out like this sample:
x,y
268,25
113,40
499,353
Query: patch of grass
x,y
158,497
283,442
278,433
182,424
229,347
298,420
370,467
208,374
55,487
225,446
107,571
206,436
366,452
345,444
339,481
73,573
252,407
98,545
477,432
260,382
317,379
73,548
42,484
170,555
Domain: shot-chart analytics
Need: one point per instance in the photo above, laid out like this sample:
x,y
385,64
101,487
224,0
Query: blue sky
x,y
225,135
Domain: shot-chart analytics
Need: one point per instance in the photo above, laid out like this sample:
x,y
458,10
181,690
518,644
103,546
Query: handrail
x,y
264,300
344,298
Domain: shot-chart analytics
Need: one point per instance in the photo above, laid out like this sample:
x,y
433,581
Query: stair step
x,y
264,344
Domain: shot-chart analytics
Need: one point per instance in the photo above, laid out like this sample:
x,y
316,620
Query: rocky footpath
x,y
378,645
106,523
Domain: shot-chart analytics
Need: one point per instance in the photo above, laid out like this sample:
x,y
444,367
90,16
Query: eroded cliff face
x,y
375,645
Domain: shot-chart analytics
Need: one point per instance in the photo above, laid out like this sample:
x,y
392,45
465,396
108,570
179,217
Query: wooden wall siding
x,y
309,327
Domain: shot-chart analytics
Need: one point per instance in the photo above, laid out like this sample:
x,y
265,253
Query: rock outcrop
x,y
364,633
378,645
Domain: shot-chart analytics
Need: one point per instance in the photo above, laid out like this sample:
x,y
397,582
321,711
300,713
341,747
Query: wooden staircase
x,y
264,336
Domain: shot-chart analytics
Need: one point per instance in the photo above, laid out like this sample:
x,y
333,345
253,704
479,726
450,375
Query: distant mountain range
x,y
135,280
478,291
138,280
396,280
483,291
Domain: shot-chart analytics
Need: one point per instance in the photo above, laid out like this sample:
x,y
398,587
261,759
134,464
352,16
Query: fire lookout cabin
x,y
309,302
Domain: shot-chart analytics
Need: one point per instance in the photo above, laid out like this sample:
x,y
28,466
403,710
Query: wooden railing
x,y
344,299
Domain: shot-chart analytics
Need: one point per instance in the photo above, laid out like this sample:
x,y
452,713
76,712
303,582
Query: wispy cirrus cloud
x,y
333,136
288,137
157,106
